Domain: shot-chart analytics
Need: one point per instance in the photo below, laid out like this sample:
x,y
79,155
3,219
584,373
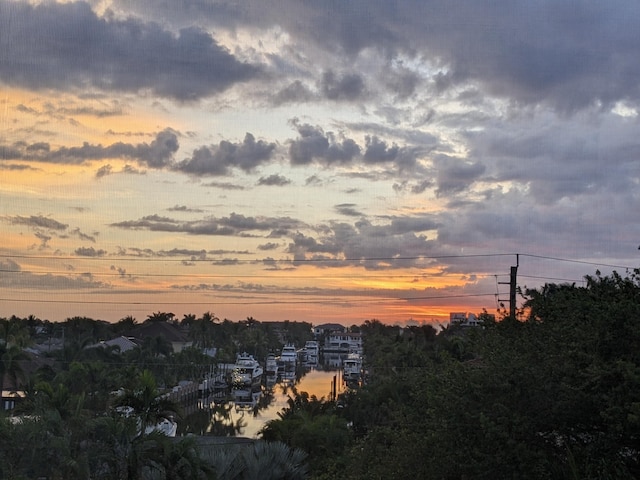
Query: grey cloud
x,y
184,208
38,221
83,236
565,55
295,92
268,246
456,175
90,252
401,225
224,186
313,144
348,87
555,158
368,245
38,147
16,167
66,46
226,262
130,169
220,159
348,209
313,180
104,171
8,265
274,180
233,225
159,153
378,151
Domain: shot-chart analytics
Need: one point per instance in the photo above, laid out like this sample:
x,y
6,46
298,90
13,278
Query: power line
x,y
582,262
274,274
285,260
323,300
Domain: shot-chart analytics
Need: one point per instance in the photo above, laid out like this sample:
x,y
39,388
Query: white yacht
x,y
247,371
352,367
311,352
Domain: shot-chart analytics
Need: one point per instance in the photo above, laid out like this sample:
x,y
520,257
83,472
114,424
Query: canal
x,y
225,419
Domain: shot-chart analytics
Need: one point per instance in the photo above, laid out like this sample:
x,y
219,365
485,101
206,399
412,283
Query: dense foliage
x,y
555,394
87,406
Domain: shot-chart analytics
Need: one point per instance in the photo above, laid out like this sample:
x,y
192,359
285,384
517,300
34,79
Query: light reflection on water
x,y
227,420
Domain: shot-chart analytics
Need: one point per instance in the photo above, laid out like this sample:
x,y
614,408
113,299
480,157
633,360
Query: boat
x,y
289,354
246,379
271,370
247,371
311,352
352,368
271,365
287,362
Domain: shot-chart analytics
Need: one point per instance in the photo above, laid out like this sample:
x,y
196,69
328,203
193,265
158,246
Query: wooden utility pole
x,y
513,287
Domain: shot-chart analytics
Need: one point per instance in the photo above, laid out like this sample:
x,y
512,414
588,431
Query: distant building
x,y
343,342
464,319
327,328
124,344
172,333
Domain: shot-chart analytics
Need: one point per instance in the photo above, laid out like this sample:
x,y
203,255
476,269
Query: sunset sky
x,y
312,160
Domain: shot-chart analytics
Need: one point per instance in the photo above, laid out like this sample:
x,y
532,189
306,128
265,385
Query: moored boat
x,y
352,368
247,371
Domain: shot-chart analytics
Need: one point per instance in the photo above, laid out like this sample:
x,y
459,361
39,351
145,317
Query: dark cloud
x,y
90,252
314,145
233,225
456,175
348,209
38,221
224,186
8,265
184,208
220,159
313,180
368,245
83,236
67,46
103,171
295,92
274,180
268,246
348,87
158,154
377,151
401,225
562,54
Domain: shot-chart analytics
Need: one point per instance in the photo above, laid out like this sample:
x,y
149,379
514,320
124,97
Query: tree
x,y
12,359
146,404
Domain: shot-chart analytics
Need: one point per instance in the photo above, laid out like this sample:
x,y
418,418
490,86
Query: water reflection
x,y
227,419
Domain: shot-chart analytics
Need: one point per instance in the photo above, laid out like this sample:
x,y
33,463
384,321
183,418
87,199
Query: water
x,y
227,420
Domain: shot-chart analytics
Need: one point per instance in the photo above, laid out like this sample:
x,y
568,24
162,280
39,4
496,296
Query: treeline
x,y
83,407
553,395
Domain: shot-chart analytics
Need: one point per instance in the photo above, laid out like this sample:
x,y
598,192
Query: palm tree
x,y
146,404
203,330
11,361
261,461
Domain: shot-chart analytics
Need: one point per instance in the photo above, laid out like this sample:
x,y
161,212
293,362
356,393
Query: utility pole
x,y
513,286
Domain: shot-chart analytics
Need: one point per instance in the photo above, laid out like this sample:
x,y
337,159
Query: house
x,y
170,332
124,344
343,342
464,320
325,328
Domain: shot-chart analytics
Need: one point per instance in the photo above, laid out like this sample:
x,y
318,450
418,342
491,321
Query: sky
x,y
315,161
